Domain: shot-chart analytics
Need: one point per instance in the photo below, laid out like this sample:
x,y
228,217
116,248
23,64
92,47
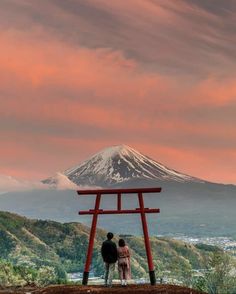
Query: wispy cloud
x,y
169,36
10,184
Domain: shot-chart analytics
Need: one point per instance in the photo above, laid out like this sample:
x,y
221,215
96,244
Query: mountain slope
x,y
63,246
120,164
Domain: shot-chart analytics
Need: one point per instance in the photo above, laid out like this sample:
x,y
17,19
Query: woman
x,y
123,262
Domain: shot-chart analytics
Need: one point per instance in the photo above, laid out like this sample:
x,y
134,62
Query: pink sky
x,y
79,76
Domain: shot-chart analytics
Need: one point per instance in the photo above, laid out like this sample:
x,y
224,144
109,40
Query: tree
x,y
219,277
8,275
46,275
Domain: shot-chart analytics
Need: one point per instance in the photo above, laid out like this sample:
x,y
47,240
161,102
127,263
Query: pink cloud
x,y
54,84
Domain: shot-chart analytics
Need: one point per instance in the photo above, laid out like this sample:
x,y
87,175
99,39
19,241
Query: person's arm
x,y
128,252
103,250
115,250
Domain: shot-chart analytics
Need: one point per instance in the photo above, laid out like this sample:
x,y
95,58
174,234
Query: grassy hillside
x,y
37,243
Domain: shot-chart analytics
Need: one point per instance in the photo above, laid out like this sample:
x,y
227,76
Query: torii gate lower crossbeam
x,y
142,210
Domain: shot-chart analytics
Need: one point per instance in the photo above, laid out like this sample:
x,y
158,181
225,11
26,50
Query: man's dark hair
x,y
122,243
110,236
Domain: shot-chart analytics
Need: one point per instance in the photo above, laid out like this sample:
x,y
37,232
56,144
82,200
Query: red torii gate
x,y
96,211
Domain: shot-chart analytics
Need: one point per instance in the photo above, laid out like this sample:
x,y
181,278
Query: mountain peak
x,y
119,164
112,151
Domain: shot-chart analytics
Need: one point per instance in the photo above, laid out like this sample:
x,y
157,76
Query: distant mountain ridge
x,y
121,164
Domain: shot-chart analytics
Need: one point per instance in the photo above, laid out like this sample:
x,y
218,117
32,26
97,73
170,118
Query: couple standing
x,y
111,254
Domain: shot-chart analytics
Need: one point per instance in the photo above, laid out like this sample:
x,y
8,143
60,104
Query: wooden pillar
x,y
146,240
91,240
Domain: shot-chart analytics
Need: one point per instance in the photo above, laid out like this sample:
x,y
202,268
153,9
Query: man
x,y
109,255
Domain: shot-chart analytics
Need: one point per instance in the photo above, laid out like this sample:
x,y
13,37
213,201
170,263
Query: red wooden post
x,y
91,241
146,240
119,201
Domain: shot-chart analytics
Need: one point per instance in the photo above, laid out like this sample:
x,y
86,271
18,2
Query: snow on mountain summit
x,y
119,164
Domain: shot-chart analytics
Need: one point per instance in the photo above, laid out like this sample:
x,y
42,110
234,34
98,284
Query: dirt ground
x,y
140,289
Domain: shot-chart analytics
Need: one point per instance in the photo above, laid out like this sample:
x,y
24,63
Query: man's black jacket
x,y
109,251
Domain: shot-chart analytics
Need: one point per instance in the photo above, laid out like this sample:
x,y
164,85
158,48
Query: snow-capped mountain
x,y
188,205
120,164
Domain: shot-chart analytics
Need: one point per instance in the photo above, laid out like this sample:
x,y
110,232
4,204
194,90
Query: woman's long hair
x,y
121,243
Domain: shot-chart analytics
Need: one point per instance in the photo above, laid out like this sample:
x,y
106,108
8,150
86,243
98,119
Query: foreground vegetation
x,y
43,252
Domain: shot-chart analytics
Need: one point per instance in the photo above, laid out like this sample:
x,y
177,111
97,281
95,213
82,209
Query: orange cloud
x,y
51,87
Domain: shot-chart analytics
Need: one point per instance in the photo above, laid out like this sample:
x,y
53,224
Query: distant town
x,y
226,243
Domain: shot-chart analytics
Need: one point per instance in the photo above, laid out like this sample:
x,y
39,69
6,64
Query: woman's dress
x,y
124,263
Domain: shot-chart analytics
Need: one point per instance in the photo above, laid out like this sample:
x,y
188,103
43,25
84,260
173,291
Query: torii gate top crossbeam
x,y
119,191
